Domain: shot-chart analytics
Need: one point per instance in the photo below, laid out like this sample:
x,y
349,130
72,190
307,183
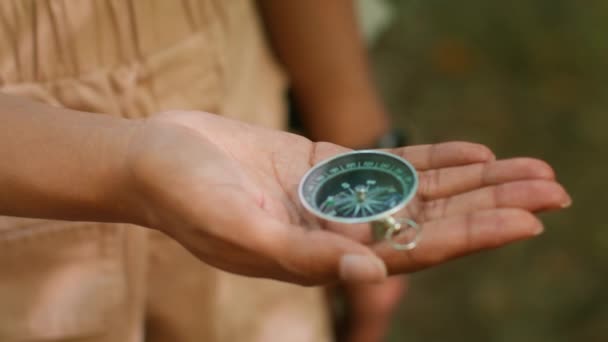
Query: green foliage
x,y
525,78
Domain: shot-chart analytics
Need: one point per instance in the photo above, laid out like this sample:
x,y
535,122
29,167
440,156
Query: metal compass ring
x,y
396,227
359,187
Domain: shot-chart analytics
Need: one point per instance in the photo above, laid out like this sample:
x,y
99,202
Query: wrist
x,y
119,191
155,151
351,127
392,139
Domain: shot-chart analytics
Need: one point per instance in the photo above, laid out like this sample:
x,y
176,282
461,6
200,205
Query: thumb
x,y
317,256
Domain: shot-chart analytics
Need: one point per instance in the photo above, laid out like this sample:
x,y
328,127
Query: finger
x,y
443,182
426,157
533,195
319,257
455,236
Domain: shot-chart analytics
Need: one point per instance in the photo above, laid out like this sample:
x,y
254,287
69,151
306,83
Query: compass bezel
x,y
353,220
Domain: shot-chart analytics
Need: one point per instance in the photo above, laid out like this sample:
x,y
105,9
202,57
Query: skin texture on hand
x,y
227,191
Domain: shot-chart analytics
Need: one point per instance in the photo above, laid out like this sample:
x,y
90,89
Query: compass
x,y
363,187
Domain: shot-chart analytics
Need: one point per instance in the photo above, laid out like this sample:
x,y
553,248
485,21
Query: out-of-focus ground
x,y
525,77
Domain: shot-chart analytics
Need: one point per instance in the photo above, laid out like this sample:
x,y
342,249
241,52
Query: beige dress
x,y
96,282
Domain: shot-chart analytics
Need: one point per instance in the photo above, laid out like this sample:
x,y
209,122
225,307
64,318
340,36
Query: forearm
x,y
61,164
320,46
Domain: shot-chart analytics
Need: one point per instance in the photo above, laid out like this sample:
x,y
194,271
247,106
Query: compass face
x,y
359,186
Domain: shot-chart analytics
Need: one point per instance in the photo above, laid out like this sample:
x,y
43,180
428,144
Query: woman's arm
x,y
62,164
321,48
163,174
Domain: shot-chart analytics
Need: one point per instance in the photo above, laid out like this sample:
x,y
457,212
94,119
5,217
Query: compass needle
x,y
350,209
368,208
357,209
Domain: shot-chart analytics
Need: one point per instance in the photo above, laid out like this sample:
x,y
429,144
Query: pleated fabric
x,y
67,281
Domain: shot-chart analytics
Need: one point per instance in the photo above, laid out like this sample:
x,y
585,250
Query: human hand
x,y
227,191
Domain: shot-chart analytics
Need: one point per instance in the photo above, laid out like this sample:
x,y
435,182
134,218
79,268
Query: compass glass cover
x,y
358,185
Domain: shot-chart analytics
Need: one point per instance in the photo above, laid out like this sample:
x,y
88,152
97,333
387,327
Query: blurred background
x,y
525,77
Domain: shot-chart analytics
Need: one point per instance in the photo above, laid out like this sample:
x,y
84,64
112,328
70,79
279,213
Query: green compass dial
x,y
359,186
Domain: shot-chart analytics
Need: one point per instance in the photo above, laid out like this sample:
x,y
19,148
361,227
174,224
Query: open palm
x,y
228,192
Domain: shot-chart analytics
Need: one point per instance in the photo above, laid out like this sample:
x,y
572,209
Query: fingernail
x,y
567,203
539,230
362,268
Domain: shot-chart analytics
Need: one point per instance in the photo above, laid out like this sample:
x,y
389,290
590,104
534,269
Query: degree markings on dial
x,y
396,170
314,186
